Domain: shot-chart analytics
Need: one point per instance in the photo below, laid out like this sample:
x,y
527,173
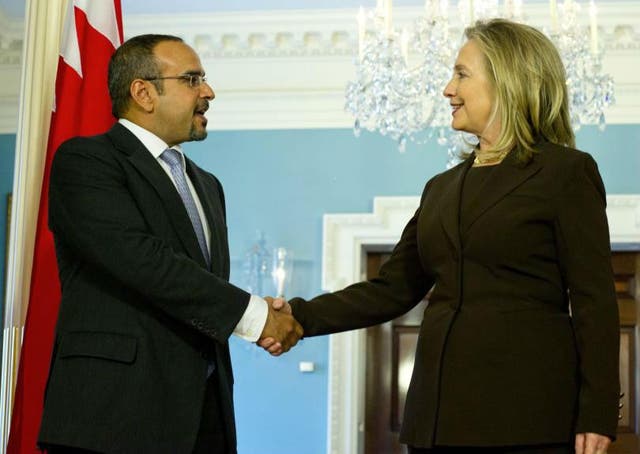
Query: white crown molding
x,y
346,239
288,69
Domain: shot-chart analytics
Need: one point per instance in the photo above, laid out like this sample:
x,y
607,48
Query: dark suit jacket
x,y
499,359
140,316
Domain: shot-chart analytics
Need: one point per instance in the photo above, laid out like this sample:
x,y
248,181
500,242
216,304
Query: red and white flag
x,y
93,30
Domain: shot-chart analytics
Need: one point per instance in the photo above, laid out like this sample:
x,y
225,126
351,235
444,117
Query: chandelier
x,y
400,74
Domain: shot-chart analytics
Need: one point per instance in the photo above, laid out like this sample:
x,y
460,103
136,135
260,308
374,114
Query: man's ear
x,y
143,95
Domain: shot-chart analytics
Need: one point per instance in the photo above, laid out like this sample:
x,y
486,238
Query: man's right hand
x,y
281,331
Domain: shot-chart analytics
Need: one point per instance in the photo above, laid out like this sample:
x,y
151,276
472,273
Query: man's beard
x,y
196,136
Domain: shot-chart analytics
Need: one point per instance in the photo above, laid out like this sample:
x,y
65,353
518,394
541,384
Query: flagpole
x,y
44,21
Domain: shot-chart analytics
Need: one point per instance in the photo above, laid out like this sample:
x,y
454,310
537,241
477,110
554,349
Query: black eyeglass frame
x,y
195,80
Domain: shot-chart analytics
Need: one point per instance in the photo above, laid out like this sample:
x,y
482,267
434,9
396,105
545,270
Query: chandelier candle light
x,y
282,269
593,16
404,101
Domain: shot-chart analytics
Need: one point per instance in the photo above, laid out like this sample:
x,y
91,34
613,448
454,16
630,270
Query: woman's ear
x,y
143,94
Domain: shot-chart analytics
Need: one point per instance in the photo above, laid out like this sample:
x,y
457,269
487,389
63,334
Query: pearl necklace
x,y
488,160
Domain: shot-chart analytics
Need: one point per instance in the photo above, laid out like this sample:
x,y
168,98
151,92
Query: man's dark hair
x,y
133,59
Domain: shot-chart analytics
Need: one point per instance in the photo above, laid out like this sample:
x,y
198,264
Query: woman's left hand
x,y
590,443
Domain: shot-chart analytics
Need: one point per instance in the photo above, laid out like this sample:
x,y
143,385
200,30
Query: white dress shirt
x,y
254,318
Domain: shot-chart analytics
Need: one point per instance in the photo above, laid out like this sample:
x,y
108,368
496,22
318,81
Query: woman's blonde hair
x,y
530,85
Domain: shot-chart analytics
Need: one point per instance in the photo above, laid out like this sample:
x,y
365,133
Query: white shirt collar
x,y
153,143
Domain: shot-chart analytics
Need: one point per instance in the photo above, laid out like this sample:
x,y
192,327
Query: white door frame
x,y
346,238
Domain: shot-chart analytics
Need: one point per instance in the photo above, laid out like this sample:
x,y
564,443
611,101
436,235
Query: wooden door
x,y
391,349
390,355
626,269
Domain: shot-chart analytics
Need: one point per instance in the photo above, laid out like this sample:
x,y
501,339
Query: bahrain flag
x,y
93,30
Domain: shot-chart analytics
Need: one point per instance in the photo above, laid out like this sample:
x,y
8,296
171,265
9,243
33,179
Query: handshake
x,y
281,331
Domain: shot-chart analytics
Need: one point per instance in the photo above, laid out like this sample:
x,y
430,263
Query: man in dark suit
x,y
141,360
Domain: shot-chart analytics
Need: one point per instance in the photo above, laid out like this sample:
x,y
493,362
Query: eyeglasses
x,y
195,80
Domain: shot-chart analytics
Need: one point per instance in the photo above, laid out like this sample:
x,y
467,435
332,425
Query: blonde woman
x,y
518,347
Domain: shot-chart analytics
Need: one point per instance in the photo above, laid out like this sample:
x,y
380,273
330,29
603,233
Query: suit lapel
x,y
504,179
210,201
149,168
450,204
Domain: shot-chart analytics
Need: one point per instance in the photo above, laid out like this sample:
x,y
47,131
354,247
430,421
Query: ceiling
x,y
16,8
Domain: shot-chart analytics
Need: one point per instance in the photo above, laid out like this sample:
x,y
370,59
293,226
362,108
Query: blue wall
x,y
7,156
282,182
617,152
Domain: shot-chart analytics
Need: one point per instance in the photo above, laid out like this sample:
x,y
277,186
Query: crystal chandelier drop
x,y
400,74
590,90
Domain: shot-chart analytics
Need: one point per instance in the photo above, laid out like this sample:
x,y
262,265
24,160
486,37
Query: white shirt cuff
x,y
253,320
